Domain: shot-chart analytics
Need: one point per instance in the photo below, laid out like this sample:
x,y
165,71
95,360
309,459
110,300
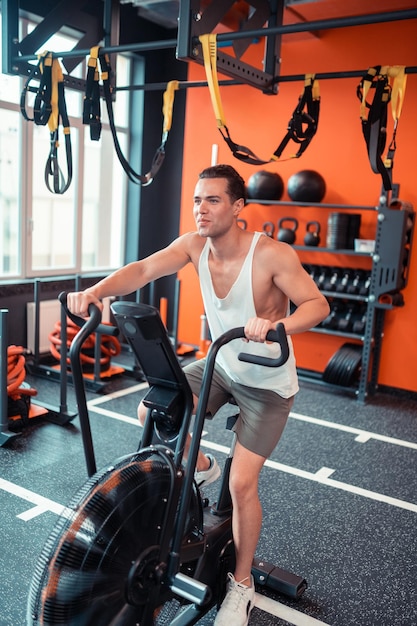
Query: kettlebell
x,y
287,235
312,237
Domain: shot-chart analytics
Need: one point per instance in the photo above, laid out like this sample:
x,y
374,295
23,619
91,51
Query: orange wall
x,y
337,152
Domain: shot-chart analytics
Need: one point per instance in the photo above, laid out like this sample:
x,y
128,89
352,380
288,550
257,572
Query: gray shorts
x,y
263,413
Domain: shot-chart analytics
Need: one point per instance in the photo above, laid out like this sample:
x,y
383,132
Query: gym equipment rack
x,y
388,277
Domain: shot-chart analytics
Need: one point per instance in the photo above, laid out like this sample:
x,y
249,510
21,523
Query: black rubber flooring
x,y
339,496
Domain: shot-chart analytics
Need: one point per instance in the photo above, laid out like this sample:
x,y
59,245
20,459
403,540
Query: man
x,y
246,279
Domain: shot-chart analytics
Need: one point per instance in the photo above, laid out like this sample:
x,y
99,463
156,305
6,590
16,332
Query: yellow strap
x,y
310,79
365,89
93,61
45,58
168,103
57,77
209,46
397,72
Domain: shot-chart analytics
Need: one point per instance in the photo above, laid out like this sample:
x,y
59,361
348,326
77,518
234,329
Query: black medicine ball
x,y
306,186
265,185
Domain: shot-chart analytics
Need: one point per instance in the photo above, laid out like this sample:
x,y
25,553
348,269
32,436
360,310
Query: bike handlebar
x,y
90,324
278,336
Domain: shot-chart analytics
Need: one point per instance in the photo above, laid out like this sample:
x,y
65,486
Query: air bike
x,y
139,545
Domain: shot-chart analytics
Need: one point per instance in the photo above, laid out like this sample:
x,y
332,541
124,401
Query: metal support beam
x,y
191,24
194,21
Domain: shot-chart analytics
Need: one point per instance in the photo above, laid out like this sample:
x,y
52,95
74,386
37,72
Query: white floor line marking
x,y
116,416
324,472
362,435
285,612
329,482
41,504
30,514
118,394
316,477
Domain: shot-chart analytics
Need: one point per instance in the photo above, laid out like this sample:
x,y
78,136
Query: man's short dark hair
x,y
236,187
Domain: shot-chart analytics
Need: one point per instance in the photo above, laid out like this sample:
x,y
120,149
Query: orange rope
x,y
110,346
16,373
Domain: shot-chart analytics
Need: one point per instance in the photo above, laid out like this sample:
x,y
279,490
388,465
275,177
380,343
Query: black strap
x,y
91,106
42,107
301,128
303,124
49,108
135,177
52,168
374,124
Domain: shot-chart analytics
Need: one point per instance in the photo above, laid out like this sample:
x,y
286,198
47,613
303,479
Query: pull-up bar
x,y
187,84
343,22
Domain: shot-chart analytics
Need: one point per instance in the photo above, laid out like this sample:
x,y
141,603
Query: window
x,y
10,234
82,230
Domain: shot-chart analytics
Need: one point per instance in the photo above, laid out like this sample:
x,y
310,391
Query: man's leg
x,y
246,521
247,510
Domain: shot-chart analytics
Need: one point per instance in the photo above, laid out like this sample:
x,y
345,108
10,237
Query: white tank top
x,y
235,310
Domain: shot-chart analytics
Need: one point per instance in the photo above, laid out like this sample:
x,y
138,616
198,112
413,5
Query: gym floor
x,y
339,496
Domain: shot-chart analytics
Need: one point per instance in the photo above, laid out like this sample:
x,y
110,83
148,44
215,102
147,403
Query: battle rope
x,y
110,346
301,128
374,115
50,108
16,373
91,114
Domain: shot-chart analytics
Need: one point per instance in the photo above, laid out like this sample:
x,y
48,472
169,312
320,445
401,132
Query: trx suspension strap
x,y
59,112
49,108
301,128
374,115
42,104
397,98
168,101
91,107
303,124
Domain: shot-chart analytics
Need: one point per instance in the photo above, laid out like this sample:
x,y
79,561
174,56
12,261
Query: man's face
x,y
214,211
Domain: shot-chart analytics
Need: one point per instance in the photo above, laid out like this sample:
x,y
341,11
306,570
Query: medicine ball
x,y
265,185
306,186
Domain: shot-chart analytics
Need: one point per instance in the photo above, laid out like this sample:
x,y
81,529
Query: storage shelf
x,y
336,333
342,295
320,205
347,251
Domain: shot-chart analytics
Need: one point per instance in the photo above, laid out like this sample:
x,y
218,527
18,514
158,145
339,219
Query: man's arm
x,y
311,305
134,276
293,283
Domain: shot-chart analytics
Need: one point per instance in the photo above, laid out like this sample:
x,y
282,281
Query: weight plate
x,y
344,366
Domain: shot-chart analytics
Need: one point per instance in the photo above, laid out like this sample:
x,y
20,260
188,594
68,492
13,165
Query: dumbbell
x,y
344,281
364,289
344,323
359,324
330,284
321,277
331,321
354,286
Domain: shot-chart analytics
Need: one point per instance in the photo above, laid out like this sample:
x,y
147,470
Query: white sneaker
x,y
209,475
237,604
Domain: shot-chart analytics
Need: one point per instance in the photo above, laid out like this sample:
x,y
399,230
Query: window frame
x,y
25,269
